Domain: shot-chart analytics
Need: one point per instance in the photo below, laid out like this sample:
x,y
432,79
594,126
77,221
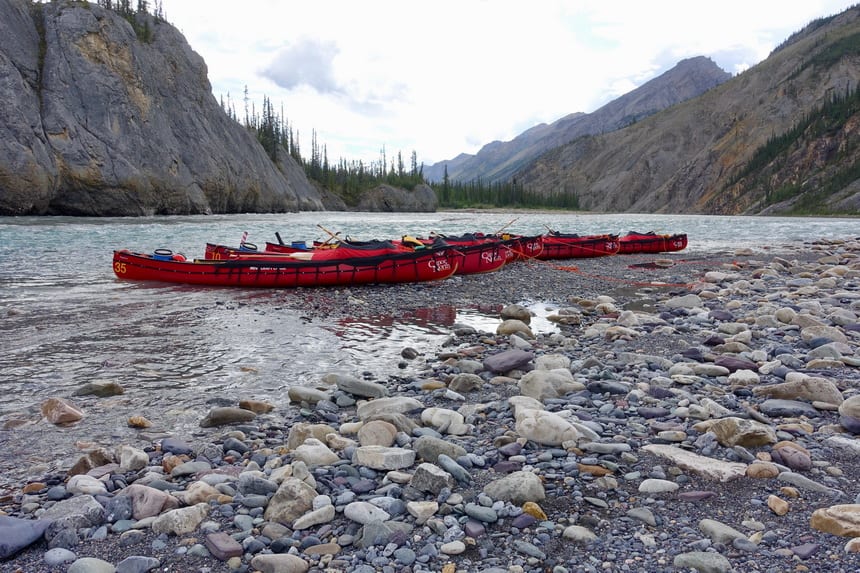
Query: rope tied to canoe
x,y
577,270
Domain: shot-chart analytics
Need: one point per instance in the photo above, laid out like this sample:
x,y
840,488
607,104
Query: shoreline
x,y
635,379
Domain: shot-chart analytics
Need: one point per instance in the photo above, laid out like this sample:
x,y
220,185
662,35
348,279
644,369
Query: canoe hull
x,y
433,265
480,258
560,246
634,243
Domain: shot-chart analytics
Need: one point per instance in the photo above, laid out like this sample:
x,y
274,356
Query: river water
x,y
65,320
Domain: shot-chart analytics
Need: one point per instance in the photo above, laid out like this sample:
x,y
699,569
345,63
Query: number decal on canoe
x,y
119,268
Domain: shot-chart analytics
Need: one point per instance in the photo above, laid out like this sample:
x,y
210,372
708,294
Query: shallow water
x,y
65,320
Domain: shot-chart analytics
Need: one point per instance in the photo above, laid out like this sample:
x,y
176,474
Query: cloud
x,y
309,62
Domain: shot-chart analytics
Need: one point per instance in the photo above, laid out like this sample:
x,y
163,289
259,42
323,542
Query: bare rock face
x,y
388,199
96,121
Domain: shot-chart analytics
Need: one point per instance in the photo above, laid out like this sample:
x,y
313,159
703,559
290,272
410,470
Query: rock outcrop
x,y
97,121
386,198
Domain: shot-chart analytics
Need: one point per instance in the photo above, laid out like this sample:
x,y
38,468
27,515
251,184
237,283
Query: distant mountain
x,y
497,161
782,137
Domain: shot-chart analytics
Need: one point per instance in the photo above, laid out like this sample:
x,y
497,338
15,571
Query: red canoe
x,y
480,257
336,251
634,242
572,246
479,254
417,266
514,247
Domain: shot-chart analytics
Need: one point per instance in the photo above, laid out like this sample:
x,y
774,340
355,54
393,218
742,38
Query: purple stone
x,y
714,341
176,447
793,458
222,546
719,314
363,486
508,360
652,412
660,393
523,520
512,449
474,529
734,363
806,550
507,466
850,423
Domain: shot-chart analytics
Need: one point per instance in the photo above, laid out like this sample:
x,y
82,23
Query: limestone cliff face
x,y
98,122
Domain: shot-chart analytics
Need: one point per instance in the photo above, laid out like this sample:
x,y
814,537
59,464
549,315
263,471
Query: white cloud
x,y
308,63
449,76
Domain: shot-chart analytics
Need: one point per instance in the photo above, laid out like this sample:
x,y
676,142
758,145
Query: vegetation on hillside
x,y
766,164
140,26
478,193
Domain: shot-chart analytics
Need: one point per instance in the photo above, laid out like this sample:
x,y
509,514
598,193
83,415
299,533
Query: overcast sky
x,y
446,77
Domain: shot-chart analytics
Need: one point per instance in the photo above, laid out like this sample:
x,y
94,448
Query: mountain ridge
x,y
687,158
497,161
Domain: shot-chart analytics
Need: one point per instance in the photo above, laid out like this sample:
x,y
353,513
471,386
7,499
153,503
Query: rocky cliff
x,y
498,161
385,198
97,121
758,143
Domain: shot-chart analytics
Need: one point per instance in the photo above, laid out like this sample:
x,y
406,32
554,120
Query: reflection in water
x,y
177,351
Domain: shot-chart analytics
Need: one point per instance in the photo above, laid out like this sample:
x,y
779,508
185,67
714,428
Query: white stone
x,y
319,516
455,547
364,512
392,405
708,468
744,377
545,427
84,484
445,421
181,521
579,534
314,453
422,510
383,458
652,485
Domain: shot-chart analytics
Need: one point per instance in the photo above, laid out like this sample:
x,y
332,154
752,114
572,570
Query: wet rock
x,y
512,326
225,415
100,388
356,386
60,411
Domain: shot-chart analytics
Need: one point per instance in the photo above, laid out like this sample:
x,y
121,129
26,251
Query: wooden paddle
x,y
332,236
512,221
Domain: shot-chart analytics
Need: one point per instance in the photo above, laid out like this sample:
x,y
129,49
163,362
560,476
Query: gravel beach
x,y
687,413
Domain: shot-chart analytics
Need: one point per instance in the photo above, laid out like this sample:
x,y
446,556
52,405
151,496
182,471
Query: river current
x,y
65,320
